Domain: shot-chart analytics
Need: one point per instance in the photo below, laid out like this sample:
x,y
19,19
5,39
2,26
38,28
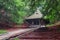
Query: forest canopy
x,y
16,10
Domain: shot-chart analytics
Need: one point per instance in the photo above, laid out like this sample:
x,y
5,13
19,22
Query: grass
x,y
2,31
16,39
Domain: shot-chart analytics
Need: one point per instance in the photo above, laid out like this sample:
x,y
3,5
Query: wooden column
x,y
32,22
39,22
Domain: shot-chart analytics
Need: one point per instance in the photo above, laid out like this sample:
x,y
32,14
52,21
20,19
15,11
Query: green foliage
x,y
18,9
52,10
16,39
15,8
2,31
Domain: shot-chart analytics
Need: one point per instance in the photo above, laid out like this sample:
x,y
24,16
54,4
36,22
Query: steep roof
x,y
36,15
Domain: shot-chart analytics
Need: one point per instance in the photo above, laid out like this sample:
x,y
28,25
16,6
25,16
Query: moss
x,y
16,39
2,31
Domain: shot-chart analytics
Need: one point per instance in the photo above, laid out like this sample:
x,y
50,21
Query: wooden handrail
x,y
14,34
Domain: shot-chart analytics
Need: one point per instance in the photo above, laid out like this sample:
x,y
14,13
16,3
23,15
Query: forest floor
x,y
14,32
52,31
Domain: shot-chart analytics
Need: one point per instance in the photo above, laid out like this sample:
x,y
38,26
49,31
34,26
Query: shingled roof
x,y
36,15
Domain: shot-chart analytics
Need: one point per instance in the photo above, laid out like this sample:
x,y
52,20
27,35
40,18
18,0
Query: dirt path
x,y
13,33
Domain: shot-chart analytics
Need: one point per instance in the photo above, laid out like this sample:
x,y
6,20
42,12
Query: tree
x,y
13,8
50,8
17,9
